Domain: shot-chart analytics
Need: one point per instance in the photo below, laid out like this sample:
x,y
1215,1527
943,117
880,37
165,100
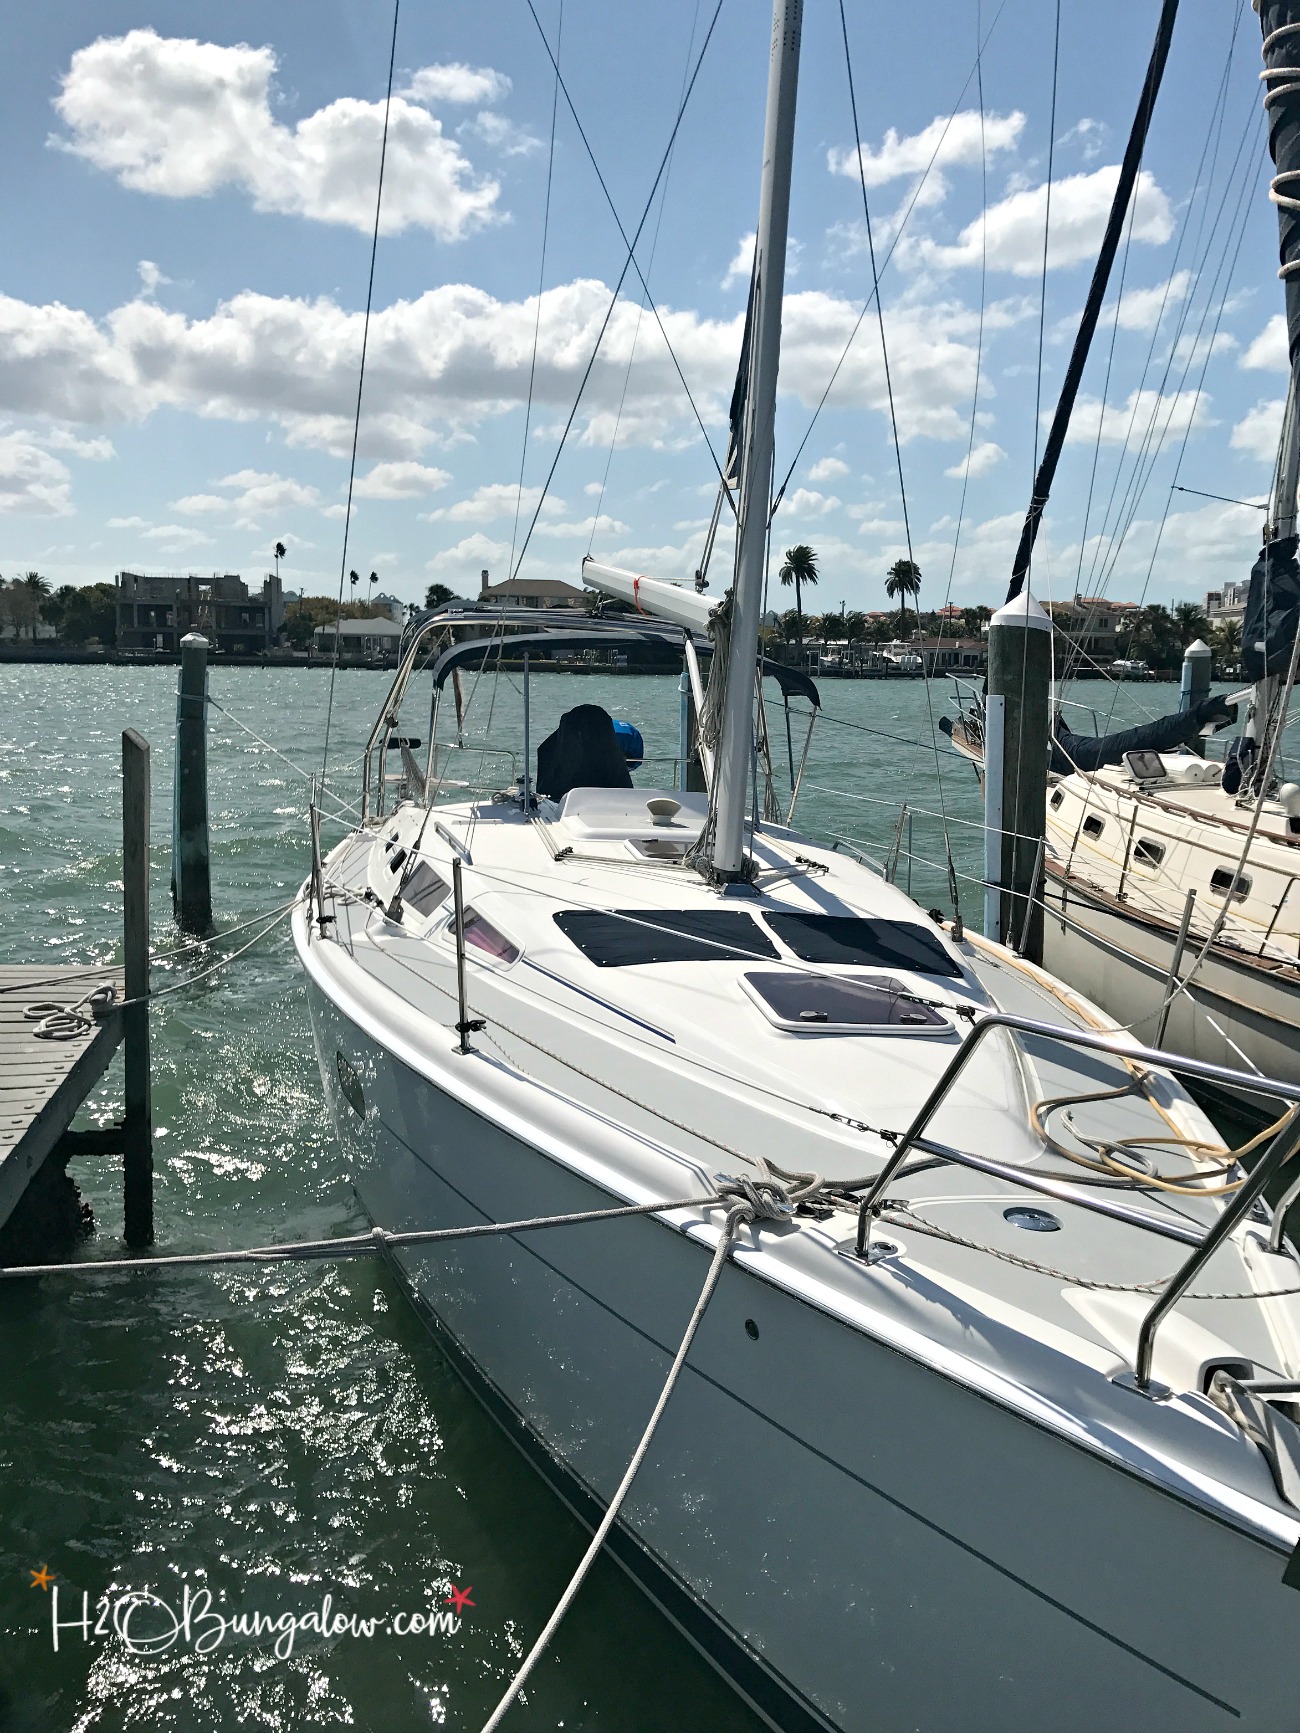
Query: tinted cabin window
x,y
852,939
1221,883
424,890
1148,853
1058,795
839,1002
485,937
1093,826
616,938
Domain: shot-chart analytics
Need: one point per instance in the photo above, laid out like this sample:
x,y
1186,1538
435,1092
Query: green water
x,y
276,1437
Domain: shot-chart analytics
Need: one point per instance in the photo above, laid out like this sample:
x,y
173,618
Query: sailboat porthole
x,y
350,1084
1224,881
1148,853
1092,825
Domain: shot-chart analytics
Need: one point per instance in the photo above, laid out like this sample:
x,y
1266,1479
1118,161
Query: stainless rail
x,y
1280,1150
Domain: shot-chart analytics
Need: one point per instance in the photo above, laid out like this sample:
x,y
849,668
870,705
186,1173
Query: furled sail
x,y
1268,628
1072,751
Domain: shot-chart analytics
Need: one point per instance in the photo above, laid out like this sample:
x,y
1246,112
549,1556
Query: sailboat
x,y
1171,880
990,1421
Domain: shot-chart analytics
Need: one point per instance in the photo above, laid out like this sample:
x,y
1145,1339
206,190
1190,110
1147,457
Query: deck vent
x,y
1036,1221
1221,883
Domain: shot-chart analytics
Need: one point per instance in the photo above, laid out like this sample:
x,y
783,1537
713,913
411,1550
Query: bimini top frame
x,y
558,633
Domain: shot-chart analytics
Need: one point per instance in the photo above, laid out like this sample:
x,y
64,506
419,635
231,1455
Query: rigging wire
x,y
628,263
640,312
361,380
893,420
889,253
541,283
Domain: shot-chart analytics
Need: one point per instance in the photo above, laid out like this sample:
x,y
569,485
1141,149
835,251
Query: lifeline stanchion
x,y
466,1025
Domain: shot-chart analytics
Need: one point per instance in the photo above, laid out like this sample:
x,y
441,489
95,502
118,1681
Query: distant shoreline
x,y
66,655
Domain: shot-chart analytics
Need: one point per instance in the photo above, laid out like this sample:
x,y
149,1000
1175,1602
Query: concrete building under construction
x,y
156,610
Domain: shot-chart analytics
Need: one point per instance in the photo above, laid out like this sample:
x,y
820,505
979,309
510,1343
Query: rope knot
x,y
761,1199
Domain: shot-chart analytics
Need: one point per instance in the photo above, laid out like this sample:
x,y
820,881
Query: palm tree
x,y
1193,622
1227,641
902,581
280,552
799,568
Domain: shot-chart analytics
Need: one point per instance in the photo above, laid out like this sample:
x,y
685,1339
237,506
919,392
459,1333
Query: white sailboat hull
x,y
857,1541
1236,1013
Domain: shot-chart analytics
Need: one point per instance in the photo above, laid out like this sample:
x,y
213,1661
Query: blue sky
x,y
185,245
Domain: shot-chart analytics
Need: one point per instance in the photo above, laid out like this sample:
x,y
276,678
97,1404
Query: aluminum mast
x,y
736,742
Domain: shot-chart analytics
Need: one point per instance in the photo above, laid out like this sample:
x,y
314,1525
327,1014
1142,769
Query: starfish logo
x,y
42,1578
460,1598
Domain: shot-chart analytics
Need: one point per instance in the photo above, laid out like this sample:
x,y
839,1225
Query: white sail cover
x,y
652,596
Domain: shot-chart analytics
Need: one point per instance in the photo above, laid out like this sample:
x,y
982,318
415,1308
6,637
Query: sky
x,y
188,201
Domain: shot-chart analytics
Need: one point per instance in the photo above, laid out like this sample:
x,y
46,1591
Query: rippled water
x,y
277,1437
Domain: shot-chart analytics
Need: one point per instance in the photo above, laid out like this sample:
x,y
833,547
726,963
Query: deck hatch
x,y
854,939
617,938
839,1004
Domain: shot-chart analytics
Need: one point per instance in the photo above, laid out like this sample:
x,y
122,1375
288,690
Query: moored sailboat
x,y
989,1422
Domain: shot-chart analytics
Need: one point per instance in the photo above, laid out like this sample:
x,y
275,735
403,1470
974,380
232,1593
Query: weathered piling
x,y
1016,755
1198,664
137,1128
191,880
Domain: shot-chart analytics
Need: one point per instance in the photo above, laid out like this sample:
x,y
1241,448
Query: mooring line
x,y
738,1213
378,1240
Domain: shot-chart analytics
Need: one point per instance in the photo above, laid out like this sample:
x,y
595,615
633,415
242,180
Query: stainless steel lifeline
x,y
1281,1148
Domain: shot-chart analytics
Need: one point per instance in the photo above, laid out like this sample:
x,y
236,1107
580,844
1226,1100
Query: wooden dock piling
x,y
191,879
137,1128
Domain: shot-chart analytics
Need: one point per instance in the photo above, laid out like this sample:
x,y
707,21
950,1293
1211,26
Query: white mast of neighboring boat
x,y
737,731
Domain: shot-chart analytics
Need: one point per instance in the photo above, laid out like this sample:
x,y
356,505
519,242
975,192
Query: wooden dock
x,y
42,1081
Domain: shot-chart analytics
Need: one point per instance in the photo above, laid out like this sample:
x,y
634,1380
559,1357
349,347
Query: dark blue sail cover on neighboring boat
x,y
1090,751
1268,630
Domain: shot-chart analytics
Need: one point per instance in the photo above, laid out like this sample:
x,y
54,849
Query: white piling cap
x,y
1198,647
1024,612
195,638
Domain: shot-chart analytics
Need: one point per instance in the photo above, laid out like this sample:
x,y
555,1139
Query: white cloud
x,y
176,538
979,461
493,500
151,278
955,141
1269,348
1142,309
251,495
467,559
400,481
32,482
445,361
828,469
1171,413
604,525
498,133
1080,206
743,262
1259,430
1089,135
456,82
807,502
181,118
127,523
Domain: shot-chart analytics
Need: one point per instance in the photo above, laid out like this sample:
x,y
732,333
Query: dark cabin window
x,y
1147,853
1221,883
1058,795
424,890
617,938
1093,826
853,939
